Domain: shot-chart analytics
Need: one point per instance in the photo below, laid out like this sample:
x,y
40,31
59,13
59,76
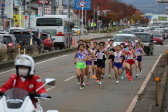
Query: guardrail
x,y
10,64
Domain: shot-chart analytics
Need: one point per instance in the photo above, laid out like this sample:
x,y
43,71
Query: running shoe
x,y
121,77
78,81
83,84
97,81
102,76
94,77
100,83
136,75
87,83
109,76
117,82
140,72
81,87
130,78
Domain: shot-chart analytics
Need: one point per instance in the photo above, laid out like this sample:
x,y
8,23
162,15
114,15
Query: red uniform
x,y
30,84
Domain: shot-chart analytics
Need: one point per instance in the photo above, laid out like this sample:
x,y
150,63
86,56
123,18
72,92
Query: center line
x,y
69,78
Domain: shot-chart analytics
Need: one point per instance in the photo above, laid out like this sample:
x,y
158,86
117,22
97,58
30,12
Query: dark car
x,y
38,36
48,41
147,39
27,41
11,43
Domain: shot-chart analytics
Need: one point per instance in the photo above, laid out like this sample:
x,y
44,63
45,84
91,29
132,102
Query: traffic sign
x,y
82,3
2,5
85,3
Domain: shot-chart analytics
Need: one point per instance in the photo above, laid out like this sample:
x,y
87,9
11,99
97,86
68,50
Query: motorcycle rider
x,y
24,78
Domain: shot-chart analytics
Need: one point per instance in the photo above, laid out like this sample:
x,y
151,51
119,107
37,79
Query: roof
x,y
143,33
124,35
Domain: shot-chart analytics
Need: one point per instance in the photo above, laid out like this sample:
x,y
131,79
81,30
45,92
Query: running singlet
x,y
118,57
80,56
111,49
101,56
133,43
138,51
130,55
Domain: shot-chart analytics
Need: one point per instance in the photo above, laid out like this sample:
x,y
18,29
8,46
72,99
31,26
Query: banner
x,y
41,1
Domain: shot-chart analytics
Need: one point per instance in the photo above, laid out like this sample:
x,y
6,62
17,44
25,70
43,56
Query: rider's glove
x,y
45,95
1,94
32,95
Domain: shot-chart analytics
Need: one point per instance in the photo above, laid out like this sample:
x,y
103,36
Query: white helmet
x,y
27,61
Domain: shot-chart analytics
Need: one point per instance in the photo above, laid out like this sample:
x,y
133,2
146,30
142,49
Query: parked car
x,y
147,39
38,37
14,29
158,38
48,41
26,41
78,28
11,43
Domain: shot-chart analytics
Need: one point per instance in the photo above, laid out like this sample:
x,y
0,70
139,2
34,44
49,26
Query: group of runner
x,y
121,58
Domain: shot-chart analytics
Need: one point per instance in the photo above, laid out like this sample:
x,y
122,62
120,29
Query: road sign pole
x,y
2,19
82,22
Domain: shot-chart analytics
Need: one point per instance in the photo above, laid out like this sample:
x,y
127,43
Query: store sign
x,y
42,1
162,18
48,10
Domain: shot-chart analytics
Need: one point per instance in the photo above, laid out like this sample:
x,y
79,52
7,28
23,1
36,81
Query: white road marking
x,y
135,99
69,78
50,88
157,45
36,63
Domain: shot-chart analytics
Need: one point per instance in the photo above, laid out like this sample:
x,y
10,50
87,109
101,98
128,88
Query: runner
x,y
126,41
94,62
110,51
139,53
130,60
101,58
88,63
124,64
134,41
118,58
141,43
80,59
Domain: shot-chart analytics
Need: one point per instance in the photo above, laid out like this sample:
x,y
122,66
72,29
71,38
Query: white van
x,y
119,38
13,29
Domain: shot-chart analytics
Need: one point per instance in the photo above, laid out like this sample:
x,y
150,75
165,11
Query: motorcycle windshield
x,y
15,97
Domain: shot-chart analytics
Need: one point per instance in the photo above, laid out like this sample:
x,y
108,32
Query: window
x,y
121,38
49,22
145,37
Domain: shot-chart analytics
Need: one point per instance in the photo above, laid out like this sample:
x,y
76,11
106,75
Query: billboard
x,y
162,18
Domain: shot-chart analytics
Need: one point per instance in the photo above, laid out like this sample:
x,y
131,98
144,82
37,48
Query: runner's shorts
x,y
88,62
130,61
81,65
95,62
139,59
111,57
118,65
100,64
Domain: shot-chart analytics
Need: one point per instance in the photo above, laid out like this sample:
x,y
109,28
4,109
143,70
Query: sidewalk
x,y
147,100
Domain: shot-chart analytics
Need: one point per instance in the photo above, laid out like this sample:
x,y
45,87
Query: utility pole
x,y
98,13
43,12
94,18
85,19
68,9
29,12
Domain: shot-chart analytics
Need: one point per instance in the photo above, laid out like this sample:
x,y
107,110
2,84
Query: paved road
x,y
109,97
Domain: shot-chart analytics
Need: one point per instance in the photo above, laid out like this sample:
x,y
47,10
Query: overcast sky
x,y
148,6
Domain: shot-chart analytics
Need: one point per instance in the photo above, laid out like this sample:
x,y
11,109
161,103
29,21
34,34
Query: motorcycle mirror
x,y
52,111
49,81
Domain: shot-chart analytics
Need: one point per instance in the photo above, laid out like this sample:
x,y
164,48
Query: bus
x,y
59,27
